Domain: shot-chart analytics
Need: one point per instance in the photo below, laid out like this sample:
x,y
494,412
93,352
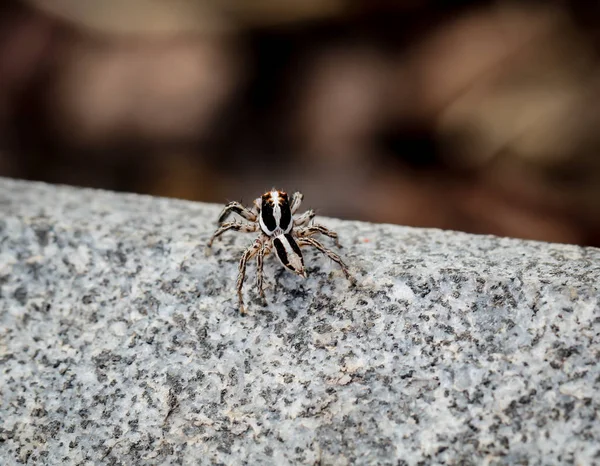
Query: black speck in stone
x,y
87,299
323,328
41,233
175,382
20,295
565,353
555,364
291,313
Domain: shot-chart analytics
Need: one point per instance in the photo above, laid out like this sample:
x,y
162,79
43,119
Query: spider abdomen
x,y
289,254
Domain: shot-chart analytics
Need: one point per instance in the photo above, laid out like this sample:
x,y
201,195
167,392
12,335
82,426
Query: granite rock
x,y
120,343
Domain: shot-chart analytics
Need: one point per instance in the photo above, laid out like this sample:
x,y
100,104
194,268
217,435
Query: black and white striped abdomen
x,y
289,254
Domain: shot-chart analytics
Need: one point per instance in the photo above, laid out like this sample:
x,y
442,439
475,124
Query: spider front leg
x,y
314,229
237,208
248,254
296,201
332,255
245,227
303,219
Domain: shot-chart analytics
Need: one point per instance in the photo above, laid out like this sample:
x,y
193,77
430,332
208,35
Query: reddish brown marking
x,y
282,197
266,197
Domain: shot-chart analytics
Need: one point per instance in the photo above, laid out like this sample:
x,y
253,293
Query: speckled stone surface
x,y
120,343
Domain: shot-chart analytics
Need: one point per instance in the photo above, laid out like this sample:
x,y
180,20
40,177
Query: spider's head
x,y
274,195
289,254
275,213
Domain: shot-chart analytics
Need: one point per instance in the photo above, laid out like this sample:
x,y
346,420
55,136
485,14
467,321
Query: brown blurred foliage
x,y
473,115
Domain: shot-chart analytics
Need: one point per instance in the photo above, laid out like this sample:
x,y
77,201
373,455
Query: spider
x,y
281,231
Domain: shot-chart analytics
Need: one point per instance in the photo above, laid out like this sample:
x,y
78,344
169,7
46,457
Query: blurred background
x,y
480,116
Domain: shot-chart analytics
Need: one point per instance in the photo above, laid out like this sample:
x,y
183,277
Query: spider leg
x,y
237,208
314,229
248,254
245,227
265,250
296,201
332,255
303,219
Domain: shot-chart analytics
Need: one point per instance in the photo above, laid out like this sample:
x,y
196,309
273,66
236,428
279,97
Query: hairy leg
x,y
236,226
264,251
248,254
332,255
296,201
314,229
237,208
303,219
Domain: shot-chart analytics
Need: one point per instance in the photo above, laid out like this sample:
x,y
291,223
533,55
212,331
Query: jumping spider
x,y
273,215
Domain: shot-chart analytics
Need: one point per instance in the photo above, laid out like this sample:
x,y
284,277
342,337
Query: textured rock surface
x,y
120,342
